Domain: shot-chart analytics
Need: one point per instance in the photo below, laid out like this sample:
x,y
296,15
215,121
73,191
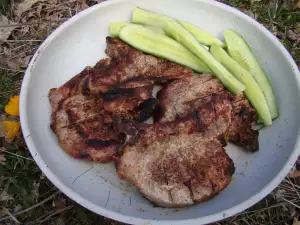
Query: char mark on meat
x,y
84,130
92,138
183,96
241,130
78,84
212,120
128,102
143,93
133,64
147,109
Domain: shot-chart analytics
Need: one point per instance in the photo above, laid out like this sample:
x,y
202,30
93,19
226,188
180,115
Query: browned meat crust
x,y
75,109
84,125
212,118
133,69
180,163
175,163
84,129
186,95
191,171
91,139
126,98
82,108
77,84
135,83
133,64
183,96
241,130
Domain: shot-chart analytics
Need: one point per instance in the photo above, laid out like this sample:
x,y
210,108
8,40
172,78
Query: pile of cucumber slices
x,y
185,44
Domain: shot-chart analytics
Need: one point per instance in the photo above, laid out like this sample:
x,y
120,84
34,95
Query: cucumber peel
x,y
115,28
253,91
240,51
202,36
144,17
149,41
184,37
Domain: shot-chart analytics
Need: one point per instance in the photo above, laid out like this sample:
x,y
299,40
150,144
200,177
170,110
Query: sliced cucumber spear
x,y
184,37
115,28
240,51
147,40
202,36
253,91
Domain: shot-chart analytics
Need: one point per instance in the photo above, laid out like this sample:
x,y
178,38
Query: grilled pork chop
x,y
83,124
84,129
180,163
128,67
186,95
180,97
133,64
241,130
78,84
82,106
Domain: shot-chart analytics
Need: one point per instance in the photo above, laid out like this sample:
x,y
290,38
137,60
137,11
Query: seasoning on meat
x,y
186,95
241,130
84,130
83,108
133,64
174,164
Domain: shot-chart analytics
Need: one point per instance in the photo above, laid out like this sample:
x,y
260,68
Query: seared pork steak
x,y
83,107
77,85
84,129
180,163
128,67
83,124
178,98
186,95
133,64
241,130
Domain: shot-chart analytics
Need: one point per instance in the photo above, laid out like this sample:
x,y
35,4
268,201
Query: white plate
x,y
81,41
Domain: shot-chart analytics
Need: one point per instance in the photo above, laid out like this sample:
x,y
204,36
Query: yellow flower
x,y
10,129
12,108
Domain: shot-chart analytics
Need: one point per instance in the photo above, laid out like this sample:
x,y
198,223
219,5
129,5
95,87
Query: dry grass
x,y
280,207
27,197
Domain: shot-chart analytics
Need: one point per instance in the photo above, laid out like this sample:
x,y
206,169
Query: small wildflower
x,y
12,108
10,129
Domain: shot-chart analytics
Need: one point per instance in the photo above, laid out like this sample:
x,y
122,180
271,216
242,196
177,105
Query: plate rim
x,y
119,216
